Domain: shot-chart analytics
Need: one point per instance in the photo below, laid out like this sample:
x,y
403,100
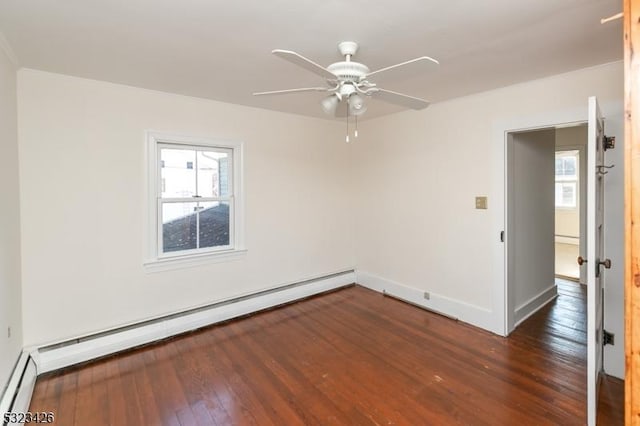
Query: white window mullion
x,y
232,223
196,199
198,225
195,169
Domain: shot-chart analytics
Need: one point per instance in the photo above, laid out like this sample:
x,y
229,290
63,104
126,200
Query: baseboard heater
x,y
16,396
90,347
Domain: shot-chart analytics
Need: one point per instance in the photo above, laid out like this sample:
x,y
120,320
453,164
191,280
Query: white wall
x,y
416,222
83,192
10,304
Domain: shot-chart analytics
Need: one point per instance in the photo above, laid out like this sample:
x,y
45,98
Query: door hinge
x,y
609,142
502,236
608,338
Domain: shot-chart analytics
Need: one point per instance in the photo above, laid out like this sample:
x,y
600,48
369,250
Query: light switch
x,y
481,203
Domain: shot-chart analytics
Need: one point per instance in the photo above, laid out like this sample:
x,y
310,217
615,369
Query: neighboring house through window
x,y
195,198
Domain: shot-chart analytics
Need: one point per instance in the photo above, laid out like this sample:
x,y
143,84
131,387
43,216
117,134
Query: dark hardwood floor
x,y
350,357
562,327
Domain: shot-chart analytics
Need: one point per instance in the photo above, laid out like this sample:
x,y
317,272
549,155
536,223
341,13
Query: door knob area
x,y
606,263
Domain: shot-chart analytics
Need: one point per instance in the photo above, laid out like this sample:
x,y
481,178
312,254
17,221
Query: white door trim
x,y
500,132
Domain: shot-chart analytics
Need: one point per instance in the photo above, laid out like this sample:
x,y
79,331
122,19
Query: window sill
x,y
180,262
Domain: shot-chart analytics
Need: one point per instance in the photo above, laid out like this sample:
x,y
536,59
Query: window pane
x,y
558,166
213,174
214,224
179,226
566,194
177,173
567,165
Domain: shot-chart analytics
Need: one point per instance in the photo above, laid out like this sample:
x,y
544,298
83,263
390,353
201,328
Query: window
x,y
195,198
567,179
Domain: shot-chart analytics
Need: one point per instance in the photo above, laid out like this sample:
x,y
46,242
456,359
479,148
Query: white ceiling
x,y
221,49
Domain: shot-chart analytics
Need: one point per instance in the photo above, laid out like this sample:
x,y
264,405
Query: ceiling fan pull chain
x,y
355,133
347,138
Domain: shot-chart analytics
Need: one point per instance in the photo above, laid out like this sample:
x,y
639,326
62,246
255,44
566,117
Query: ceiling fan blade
x,y
400,99
342,110
286,91
406,69
305,63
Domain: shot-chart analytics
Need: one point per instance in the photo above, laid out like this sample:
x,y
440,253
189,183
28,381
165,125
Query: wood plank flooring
x,y
351,357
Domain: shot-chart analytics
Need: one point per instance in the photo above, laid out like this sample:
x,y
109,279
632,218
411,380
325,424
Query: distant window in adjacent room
x,y
196,204
567,179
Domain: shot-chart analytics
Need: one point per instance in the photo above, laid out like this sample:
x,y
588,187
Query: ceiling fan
x,y
348,82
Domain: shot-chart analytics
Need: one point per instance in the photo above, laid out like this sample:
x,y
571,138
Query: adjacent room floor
x,y
348,357
566,260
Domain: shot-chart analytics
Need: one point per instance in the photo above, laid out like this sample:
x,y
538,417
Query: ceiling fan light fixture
x,y
329,104
356,105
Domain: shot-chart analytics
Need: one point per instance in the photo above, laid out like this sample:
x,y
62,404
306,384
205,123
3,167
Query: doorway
x,y
570,202
546,214
596,254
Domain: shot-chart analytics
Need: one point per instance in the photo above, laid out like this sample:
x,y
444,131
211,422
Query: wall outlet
x,y
427,295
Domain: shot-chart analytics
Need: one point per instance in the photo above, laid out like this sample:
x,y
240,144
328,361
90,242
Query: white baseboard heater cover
x,y
63,354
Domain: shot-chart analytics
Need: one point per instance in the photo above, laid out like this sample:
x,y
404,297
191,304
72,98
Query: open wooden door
x,y
595,257
632,210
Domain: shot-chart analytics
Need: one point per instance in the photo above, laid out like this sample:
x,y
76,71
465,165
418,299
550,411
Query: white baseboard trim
x,y
84,349
471,314
17,395
534,304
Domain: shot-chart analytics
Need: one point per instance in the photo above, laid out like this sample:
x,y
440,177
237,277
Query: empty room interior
x,y
296,212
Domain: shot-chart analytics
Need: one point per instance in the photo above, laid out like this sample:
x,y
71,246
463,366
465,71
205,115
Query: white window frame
x,y
569,180
155,259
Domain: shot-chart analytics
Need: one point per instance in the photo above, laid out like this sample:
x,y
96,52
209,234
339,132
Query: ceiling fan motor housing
x,y
349,72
